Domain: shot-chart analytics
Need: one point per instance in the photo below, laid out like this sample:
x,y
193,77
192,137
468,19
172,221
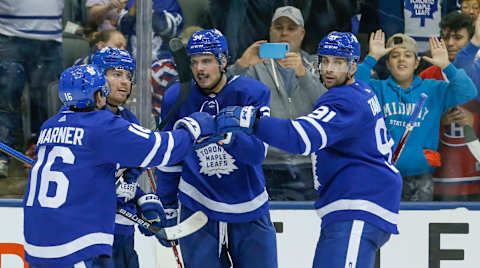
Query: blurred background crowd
x,y
40,39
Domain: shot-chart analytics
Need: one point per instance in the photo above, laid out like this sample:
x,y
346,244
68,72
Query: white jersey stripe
x,y
71,247
304,137
168,152
354,244
151,154
80,265
170,169
358,204
213,205
319,128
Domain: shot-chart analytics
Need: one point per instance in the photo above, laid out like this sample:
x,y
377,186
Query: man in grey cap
x,y
295,86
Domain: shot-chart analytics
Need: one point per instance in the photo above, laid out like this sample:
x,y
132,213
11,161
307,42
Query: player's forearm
x,y
281,134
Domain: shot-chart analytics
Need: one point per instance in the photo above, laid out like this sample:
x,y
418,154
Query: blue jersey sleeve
x,y
334,118
131,145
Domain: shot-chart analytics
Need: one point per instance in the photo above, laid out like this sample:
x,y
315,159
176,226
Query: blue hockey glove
x,y
199,124
171,214
236,118
151,210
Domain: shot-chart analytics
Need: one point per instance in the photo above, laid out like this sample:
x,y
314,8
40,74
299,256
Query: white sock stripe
x,y
354,244
153,152
303,135
319,128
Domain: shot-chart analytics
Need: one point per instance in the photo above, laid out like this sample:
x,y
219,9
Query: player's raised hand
x,y
293,61
377,45
476,36
236,118
251,56
439,53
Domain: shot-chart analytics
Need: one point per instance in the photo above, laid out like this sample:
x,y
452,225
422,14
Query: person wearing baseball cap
x,y
295,85
398,96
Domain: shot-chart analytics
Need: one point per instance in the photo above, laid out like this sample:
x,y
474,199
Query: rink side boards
x,y
432,235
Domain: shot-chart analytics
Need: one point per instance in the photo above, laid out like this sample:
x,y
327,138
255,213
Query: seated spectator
x,y
167,22
30,52
104,14
471,7
398,95
457,160
107,38
294,86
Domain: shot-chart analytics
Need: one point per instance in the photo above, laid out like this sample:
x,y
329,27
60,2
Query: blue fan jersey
x,y
351,154
70,200
226,182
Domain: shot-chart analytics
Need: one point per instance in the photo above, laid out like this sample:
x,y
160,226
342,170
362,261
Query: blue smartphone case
x,y
274,50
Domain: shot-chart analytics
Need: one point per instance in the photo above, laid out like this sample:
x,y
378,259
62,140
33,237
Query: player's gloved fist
x,y
126,192
236,118
199,124
171,215
151,210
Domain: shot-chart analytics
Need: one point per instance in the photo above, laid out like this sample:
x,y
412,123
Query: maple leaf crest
x,y
423,9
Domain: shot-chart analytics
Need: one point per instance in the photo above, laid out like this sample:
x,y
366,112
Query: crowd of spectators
x,y
429,40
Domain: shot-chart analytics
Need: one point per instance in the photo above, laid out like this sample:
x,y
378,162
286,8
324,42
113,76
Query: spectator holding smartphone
x,y
294,86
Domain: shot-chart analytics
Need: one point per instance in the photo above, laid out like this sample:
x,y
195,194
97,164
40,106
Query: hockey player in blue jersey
x,y
70,201
118,67
226,182
358,186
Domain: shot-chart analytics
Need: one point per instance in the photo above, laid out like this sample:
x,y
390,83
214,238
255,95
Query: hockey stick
x,y
174,246
15,154
185,76
186,227
409,127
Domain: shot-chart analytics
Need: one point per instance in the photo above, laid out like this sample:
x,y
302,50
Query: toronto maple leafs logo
x,y
214,160
422,9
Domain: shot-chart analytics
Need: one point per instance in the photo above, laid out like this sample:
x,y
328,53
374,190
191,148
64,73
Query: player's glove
x,y
151,210
236,118
128,187
200,124
171,214
126,192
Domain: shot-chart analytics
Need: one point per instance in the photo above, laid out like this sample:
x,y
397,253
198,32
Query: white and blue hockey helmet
x,y
210,41
109,57
78,85
340,44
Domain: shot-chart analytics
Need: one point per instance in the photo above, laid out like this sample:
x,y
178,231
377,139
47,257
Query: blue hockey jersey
x,y
122,224
226,182
351,154
70,200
